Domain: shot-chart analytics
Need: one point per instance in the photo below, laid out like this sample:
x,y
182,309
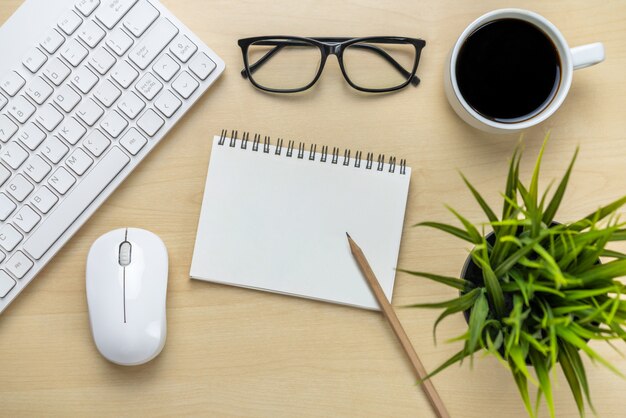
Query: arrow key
x,y
201,65
166,67
185,84
167,103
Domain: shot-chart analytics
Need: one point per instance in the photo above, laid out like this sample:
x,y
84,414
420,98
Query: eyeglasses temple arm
x,y
414,80
252,68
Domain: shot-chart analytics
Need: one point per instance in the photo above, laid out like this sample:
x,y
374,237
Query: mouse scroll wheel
x,y
125,250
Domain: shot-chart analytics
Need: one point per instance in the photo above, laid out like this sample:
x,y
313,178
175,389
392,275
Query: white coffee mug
x,y
570,59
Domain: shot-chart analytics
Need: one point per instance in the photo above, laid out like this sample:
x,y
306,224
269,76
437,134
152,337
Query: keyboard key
x,y
96,143
13,155
79,161
124,74
49,117
31,136
150,122
12,83
140,18
69,22
86,7
6,283
21,109
54,149
75,203
112,11
84,79
133,141
71,130
119,42
101,60
61,180
4,174
9,237
153,43
185,84
36,168
7,128
19,187
89,112
6,206
26,219
91,33
201,65
167,103
52,41
183,48
114,124
166,67
74,52
149,86
34,60
66,98
3,101
131,105
39,90
56,71
107,93
44,199
19,265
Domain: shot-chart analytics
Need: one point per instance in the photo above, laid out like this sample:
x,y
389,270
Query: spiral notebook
x,y
275,215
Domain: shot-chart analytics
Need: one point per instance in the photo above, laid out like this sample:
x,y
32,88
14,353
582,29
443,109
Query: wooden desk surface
x,y
235,352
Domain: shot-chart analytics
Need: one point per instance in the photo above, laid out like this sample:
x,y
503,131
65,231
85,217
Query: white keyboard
x,y
79,109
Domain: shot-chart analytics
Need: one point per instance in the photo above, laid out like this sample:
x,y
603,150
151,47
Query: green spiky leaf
x,y
541,290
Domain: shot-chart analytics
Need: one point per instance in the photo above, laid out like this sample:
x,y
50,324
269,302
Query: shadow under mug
x,y
570,59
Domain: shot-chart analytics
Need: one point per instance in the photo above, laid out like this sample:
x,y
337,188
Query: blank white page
x,y
279,223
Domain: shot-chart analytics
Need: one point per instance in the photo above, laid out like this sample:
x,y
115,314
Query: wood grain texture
x,y
240,353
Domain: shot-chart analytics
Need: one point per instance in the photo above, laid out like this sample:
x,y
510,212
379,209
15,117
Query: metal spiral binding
x,y
381,162
266,145
324,153
312,152
357,159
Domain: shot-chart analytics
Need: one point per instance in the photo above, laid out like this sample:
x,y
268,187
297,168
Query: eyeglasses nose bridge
x,y
332,49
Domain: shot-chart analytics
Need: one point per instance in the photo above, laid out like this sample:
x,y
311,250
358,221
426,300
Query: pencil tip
x,y
348,235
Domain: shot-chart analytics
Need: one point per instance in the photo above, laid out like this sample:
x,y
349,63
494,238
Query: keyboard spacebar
x,y
76,202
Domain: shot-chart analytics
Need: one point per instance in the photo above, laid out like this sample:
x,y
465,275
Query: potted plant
x,y
535,291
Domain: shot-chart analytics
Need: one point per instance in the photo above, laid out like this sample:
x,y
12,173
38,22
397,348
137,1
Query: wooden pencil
x,y
420,371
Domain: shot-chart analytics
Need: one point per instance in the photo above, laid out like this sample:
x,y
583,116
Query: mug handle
x,y
587,55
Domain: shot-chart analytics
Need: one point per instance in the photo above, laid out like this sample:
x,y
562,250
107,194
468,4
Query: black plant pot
x,y
472,273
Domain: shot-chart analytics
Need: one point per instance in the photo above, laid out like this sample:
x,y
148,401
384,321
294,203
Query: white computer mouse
x,y
126,290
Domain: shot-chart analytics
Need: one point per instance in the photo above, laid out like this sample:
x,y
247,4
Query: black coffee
x,y
508,70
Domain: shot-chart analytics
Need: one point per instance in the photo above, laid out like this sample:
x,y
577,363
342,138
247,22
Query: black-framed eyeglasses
x,y
289,64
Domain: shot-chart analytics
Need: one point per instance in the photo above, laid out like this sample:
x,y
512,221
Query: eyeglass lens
x,y
283,64
378,66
